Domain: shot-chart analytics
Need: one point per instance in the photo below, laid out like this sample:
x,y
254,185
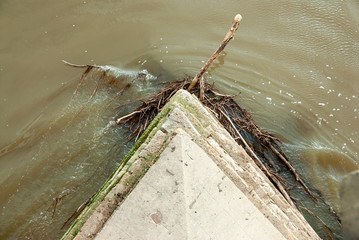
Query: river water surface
x,y
293,64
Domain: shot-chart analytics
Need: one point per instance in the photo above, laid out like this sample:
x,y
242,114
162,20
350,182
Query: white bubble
x,y
289,94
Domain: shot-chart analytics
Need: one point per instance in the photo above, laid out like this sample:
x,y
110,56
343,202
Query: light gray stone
x,y
185,195
349,195
202,186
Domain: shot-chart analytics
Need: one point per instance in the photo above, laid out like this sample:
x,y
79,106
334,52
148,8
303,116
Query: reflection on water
x,y
293,64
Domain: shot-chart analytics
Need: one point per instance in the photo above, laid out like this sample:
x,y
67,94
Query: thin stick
x,y
98,84
76,65
295,173
78,211
128,115
82,79
259,162
87,71
227,38
201,88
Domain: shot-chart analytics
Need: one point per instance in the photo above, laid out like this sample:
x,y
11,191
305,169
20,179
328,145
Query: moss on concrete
x,y
113,180
138,161
126,163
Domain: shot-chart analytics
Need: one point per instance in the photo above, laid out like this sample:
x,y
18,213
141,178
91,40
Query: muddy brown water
x,y
293,65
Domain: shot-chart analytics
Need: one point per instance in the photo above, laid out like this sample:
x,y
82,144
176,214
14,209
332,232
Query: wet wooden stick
x,y
78,211
118,121
98,84
227,38
201,88
82,79
76,65
295,173
259,162
84,75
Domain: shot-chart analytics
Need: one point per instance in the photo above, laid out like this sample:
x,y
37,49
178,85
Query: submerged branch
x,y
259,162
78,211
84,74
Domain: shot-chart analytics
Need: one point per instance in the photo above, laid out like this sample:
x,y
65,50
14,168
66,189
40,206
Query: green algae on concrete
x,y
185,113
127,162
113,180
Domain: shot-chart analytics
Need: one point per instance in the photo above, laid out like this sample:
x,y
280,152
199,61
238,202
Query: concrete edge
x,y
207,132
122,173
242,170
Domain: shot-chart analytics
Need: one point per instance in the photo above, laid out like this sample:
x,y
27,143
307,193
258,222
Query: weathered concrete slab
x,y
185,195
203,185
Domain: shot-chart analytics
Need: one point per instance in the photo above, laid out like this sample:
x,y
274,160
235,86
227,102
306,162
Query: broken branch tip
x,y
238,18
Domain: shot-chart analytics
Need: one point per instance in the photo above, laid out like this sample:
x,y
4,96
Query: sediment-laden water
x,y
293,65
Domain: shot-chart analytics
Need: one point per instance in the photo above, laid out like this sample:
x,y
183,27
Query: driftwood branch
x,y
227,38
118,121
76,65
201,88
84,75
78,211
259,162
294,171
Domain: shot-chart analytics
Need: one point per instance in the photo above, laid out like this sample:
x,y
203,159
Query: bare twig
x,y
76,65
58,199
118,121
260,164
329,231
83,78
84,75
78,211
294,171
98,84
227,38
201,88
